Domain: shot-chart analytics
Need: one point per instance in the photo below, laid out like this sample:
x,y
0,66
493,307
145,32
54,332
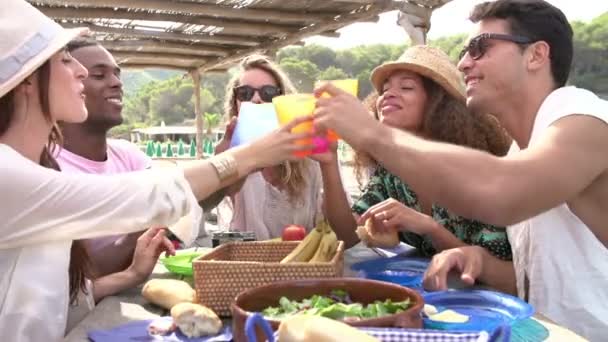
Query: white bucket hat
x,y
28,38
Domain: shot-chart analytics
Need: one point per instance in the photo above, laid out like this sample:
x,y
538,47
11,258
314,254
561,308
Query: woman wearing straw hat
x,y
422,93
44,210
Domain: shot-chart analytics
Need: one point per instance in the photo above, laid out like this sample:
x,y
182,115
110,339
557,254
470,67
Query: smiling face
x,y
403,101
499,76
103,87
66,90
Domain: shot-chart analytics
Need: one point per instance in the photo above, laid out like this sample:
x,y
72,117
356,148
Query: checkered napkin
x,y
419,335
413,335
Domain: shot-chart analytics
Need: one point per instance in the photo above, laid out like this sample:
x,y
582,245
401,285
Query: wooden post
x,y
415,18
196,78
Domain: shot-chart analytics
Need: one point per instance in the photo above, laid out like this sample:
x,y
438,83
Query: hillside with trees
x,y
155,96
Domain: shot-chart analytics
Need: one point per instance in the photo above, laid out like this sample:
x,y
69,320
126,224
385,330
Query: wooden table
x,y
131,306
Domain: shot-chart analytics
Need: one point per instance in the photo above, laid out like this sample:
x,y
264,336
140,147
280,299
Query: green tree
x,y
590,63
215,83
451,45
289,52
303,73
212,120
332,73
323,57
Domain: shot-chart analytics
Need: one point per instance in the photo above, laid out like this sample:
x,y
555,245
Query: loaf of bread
x,y
168,292
195,320
372,238
305,328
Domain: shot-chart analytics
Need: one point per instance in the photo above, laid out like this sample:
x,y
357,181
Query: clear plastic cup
x,y
254,121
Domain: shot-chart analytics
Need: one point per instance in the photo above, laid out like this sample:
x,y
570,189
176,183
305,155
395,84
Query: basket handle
x,y
254,320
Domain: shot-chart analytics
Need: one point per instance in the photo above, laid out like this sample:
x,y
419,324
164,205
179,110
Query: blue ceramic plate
x,y
405,271
486,309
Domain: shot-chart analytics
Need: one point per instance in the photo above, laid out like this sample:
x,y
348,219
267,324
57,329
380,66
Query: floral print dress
x,y
383,185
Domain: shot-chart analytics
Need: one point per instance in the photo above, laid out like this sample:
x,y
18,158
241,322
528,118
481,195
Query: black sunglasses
x,y
477,46
267,92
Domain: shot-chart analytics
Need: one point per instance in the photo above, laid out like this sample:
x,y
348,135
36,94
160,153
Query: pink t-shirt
x,y
123,156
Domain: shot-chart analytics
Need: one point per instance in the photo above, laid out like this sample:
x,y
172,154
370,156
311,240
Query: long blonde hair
x,y
292,173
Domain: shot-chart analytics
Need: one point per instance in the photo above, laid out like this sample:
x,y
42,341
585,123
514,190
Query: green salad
x,y
337,305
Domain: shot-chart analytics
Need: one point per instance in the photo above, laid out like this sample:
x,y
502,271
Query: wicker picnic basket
x,y
237,266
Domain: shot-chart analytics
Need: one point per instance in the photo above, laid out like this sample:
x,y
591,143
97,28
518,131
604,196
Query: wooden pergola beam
x,y
126,32
157,55
366,12
170,66
159,62
163,47
195,8
242,27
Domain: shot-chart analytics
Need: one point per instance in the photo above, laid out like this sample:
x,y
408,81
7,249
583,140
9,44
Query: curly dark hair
x,y
446,119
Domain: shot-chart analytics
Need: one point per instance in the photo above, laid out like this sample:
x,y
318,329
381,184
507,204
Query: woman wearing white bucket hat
x,y
44,210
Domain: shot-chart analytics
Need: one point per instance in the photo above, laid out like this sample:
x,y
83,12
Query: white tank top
x,y
557,259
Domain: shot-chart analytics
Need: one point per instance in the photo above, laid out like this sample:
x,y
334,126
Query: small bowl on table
x,y
362,291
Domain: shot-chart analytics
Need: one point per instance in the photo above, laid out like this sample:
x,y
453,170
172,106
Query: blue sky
x,y
449,19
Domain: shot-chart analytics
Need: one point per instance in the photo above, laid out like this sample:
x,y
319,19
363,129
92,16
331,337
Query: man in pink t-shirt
x,y
87,150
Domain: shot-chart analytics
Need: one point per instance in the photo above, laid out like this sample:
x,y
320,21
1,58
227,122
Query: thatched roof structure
x,y
206,35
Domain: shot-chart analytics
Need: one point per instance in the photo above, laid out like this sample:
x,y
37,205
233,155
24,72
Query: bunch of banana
x,y
319,245
327,247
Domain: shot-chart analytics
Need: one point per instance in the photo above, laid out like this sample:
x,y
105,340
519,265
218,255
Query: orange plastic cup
x,y
292,106
350,86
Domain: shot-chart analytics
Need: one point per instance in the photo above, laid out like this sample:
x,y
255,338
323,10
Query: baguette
x,y
168,292
304,328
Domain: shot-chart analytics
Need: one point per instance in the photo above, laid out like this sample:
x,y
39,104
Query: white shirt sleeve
x,y
42,205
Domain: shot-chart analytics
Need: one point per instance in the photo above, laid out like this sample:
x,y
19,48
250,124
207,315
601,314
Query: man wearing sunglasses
x,y
551,190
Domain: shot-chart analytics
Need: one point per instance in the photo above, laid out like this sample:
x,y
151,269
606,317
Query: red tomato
x,y
293,233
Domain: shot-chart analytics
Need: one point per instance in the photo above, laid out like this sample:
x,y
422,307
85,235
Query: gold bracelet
x,y
225,165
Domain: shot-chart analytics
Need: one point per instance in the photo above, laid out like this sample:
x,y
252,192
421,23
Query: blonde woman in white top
x,y
290,193
44,210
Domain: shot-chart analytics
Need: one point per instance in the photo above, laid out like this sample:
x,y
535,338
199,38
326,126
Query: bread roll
x,y
372,238
195,320
168,292
305,328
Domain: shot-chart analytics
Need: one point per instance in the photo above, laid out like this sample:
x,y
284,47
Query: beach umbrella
x,y
159,150
192,148
180,148
208,147
169,152
150,148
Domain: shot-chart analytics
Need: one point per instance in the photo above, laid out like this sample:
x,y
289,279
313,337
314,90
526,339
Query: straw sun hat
x,y
27,39
426,61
